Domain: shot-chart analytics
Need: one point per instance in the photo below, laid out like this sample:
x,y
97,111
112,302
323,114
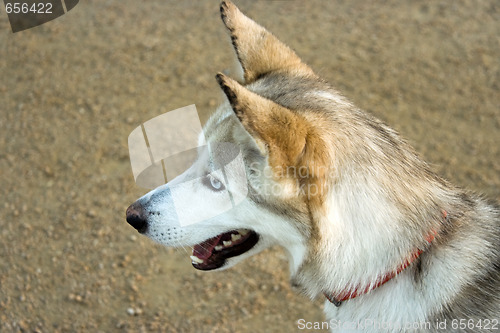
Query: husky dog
x,y
365,222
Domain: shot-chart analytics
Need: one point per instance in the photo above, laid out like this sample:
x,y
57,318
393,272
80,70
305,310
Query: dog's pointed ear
x,y
259,52
276,129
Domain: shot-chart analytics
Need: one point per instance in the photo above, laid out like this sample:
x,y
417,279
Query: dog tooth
x,y
243,232
227,243
218,247
197,260
234,237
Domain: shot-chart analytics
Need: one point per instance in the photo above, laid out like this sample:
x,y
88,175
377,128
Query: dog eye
x,y
213,183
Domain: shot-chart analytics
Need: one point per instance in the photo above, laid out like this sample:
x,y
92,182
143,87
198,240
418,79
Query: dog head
x,y
277,155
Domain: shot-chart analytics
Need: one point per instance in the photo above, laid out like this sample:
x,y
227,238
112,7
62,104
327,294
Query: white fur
x,y
321,94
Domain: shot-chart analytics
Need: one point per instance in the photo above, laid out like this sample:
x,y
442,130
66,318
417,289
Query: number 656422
x,y
25,8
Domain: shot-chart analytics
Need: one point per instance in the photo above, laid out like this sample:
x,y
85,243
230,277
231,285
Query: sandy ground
x,y
73,89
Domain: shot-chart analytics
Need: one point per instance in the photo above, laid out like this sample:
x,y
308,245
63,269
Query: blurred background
x,y
72,90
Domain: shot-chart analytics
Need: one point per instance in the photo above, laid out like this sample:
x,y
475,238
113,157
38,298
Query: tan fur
x,y
300,157
251,41
268,122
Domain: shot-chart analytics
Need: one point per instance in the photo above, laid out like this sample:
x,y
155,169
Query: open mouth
x,y
213,252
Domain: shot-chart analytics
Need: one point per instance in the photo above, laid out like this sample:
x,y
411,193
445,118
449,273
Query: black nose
x,y
135,217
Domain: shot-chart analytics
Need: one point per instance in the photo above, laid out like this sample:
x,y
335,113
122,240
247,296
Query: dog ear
x,y
259,52
276,129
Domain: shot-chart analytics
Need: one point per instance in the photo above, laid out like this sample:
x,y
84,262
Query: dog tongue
x,y
204,250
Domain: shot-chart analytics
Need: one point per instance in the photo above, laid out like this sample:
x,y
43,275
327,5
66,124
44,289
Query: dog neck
x,y
345,295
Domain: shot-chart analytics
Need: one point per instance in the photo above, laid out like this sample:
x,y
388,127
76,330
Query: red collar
x,y
349,294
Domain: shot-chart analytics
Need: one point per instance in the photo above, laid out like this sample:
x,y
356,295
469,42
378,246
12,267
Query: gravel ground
x,y
73,89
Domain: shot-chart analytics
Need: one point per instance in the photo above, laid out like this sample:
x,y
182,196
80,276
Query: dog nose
x,y
135,217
